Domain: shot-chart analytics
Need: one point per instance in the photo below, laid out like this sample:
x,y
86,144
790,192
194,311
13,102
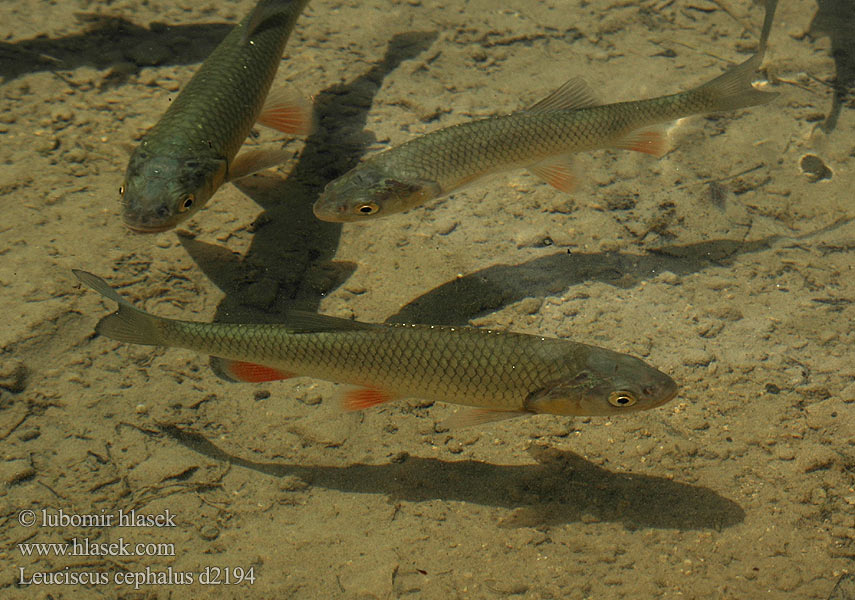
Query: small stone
x,y
261,395
209,532
697,357
529,306
814,168
847,394
818,495
290,483
76,155
784,453
813,458
29,434
15,471
668,278
13,375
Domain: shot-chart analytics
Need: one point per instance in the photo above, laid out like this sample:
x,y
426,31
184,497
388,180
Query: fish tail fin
x,y
733,89
128,324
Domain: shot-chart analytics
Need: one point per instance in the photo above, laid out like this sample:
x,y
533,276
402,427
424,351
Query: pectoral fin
x,y
288,111
479,416
253,161
557,172
362,398
649,141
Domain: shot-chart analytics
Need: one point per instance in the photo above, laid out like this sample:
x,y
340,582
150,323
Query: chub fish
x,y
192,150
540,139
500,374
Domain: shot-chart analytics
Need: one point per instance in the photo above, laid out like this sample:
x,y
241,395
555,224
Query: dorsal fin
x,y
573,94
299,321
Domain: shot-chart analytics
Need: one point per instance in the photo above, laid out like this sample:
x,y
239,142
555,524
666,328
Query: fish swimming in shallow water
x,y
191,151
540,139
502,375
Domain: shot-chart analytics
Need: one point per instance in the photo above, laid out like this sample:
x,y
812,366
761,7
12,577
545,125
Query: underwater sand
x,y
727,264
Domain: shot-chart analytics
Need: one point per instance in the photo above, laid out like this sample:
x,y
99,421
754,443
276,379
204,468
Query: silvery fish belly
x,y
192,150
502,374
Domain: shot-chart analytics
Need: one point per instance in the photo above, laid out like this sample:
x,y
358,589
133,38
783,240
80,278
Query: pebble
x,y
668,278
290,483
76,155
209,532
814,168
825,414
13,375
529,306
785,453
697,357
814,457
847,394
15,471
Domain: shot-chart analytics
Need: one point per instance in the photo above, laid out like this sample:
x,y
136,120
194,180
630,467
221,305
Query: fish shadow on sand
x,y
289,263
836,19
112,42
490,289
562,487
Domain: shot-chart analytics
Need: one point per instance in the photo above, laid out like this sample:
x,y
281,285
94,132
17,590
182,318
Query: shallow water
x,y
726,264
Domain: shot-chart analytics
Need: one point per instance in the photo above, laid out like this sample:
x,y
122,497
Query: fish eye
x,y
187,202
622,399
367,208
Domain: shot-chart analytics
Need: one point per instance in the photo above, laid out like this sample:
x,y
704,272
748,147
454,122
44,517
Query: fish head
x,y
608,383
366,193
160,192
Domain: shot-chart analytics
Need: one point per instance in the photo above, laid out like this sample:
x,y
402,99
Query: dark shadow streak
x,y
488,290
113,41
836,19
561,488
289,263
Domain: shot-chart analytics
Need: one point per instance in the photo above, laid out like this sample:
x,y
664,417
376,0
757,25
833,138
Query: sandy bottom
x,y
728,264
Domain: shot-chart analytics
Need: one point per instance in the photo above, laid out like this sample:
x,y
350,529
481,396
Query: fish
x,y
541,138
498,375
193,149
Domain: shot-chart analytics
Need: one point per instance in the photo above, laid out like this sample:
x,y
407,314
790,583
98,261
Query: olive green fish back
x,y
468,366
217,108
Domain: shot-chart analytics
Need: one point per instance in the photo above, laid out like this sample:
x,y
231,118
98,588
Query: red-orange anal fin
x,y
238,370
288,111
648,141
556,172
362,398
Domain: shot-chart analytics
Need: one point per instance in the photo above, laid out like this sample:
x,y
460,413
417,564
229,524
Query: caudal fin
x,y
128,324
733,89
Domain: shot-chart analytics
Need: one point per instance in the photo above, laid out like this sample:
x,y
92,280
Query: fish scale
x,y
541,138
192,150
496,371
216,109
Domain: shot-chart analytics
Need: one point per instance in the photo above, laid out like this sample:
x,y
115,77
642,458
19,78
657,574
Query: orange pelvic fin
x,y
238,370
362,398
479,416
648,141
557,172
288,111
